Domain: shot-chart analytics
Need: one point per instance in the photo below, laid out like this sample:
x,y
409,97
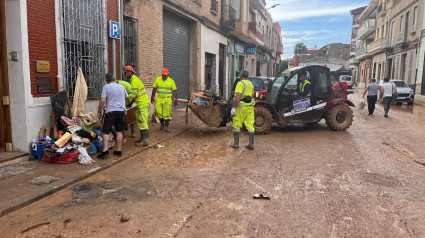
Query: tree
x,y
283,65
300,48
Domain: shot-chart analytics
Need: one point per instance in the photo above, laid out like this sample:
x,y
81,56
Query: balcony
x,y
385,43
400,38
352,53
362,52
252,27
229,18
366,30
260,35
279,49
375,45
257,4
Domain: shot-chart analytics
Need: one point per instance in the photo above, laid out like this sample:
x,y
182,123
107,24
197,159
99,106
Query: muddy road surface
x,y
365,182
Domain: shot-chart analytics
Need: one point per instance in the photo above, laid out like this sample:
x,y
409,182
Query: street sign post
x,y
114,33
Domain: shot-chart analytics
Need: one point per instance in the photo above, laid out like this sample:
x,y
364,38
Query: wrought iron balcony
x,y
400,37
229,18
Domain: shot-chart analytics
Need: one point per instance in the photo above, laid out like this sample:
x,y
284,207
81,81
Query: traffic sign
x,y
114,29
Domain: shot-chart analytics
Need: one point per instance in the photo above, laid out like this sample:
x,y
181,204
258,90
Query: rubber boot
x,y
145,138
133,131
141,137
250,146
167,126
162,124
236,140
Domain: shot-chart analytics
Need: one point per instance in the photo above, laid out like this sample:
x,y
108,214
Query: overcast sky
x,y
313,22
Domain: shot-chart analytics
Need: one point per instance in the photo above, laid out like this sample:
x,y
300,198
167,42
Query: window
x,y
236,4
130,42
401,23
415,14
84,43
214,6
382,30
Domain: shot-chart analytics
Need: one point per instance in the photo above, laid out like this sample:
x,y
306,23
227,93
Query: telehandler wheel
x,y
262,120
339,117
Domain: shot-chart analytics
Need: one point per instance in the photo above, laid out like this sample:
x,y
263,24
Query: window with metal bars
x,y
130,41
84,44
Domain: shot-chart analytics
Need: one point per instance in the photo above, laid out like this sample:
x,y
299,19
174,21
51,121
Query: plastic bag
x,y
362,104
84,158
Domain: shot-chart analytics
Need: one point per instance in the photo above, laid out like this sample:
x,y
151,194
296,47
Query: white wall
x,y
19,75
210,43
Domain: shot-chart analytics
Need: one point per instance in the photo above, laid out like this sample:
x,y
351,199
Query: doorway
x,y
5,128
209,69
221,69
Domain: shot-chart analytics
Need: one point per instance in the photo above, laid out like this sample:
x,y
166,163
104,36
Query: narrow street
x,y
363,182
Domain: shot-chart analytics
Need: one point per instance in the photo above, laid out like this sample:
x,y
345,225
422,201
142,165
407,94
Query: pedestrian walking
x,y
243,110
127,87
140,97
165,87
372,95
387,89
113,102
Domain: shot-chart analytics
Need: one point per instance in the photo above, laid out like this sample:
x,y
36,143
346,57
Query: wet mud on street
x,y
363,182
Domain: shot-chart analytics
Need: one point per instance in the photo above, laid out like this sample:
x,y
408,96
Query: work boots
x,y
141,137
133,131
167,126
236,140
145,138
162,124
251,141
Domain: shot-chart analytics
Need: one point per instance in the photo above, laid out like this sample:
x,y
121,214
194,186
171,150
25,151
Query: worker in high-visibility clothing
x,y
127,87
140,97
243,110
304,88
166,87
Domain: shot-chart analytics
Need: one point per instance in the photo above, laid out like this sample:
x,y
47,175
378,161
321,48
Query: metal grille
x,y
130,42
84,43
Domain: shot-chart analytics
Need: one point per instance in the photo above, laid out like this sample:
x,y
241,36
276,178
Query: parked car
x,y
260,86
405,93
348,79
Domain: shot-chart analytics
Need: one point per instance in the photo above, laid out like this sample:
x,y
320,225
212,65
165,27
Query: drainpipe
x,y
121,19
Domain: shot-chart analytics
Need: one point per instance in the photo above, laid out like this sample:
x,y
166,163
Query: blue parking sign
x,y
114,29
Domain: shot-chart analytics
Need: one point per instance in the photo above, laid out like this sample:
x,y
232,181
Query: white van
x,y
347,79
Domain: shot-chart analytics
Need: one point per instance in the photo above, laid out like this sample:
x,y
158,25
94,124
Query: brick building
x,y
45,43
204,43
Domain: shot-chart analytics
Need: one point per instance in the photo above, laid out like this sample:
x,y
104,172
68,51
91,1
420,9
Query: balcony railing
x,y
252,26
279,49
363,50
367,27
400,37
385,43
375,45
229,18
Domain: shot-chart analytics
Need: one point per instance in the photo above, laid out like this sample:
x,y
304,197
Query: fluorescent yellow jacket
x,y
164,88
138,91
246,88
126,85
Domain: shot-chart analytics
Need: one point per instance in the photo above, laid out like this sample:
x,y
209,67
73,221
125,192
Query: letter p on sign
x,y
114,29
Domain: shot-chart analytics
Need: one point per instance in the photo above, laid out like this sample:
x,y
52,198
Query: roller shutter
x,y
176,50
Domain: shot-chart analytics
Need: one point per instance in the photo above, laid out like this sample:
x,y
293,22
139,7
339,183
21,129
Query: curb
x,y
70,183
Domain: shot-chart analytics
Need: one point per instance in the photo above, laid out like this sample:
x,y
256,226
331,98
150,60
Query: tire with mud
x,y
262,120
339,117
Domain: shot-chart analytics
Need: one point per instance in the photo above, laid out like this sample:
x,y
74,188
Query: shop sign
x,y
239,48
42,66
251,50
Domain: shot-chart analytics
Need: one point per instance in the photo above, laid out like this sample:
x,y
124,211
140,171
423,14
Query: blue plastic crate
x,y
37,149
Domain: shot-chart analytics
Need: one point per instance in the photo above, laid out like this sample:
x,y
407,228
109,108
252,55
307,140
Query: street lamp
x,y
273,6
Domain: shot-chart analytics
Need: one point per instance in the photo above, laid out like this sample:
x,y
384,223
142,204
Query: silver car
x,y
348,79
405,93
